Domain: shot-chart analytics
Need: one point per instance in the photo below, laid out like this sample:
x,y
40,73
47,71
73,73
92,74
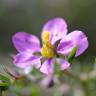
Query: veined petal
x,y
57,28
26,59
79,39
64,64
47,67
65,46
75,38
26,42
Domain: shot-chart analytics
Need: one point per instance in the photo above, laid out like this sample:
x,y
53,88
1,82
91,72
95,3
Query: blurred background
x,y
30,16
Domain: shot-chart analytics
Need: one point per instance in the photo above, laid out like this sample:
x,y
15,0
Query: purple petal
x,y
26,59
26,42
65,47
64,64
79,39
57,28
75,38
47,67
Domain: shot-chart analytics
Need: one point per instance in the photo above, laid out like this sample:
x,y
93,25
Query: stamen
x,y
47,49
47,52
46,36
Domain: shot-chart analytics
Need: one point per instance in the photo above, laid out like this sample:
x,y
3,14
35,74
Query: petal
x,y
47,67
26,59
65,46
79,39
57,28
75,38
64,64
26,42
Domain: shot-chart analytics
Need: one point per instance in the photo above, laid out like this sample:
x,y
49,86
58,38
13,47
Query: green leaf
x,y
72,54
4,82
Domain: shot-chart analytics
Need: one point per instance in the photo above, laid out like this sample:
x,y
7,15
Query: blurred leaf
x,y
57,68
4,82
35,91
35,72
72,54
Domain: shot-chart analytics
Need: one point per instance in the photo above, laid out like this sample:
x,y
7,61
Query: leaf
x,y
4,82
72,54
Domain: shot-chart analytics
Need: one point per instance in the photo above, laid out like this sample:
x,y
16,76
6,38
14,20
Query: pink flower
x,y
55,42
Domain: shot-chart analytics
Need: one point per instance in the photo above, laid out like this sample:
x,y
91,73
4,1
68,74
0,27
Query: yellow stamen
x,y
46,36
48,49
47,52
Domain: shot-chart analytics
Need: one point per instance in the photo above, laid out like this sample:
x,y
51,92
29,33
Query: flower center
x,y
48,49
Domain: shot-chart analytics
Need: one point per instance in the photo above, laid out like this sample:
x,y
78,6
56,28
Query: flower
x,y
55,42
